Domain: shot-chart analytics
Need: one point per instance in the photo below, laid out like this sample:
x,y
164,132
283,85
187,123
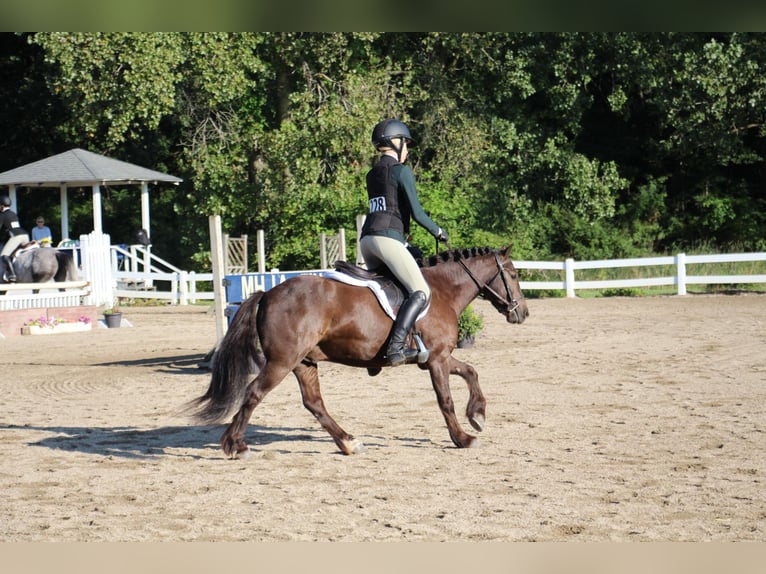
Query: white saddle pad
x,y
374,287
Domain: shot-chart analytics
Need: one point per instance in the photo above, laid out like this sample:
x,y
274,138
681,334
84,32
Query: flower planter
x,y
53,329
113,320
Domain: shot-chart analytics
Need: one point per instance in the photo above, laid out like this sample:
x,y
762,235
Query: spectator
x,y
42,233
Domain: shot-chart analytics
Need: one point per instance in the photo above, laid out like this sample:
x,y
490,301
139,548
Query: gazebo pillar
x,y
97,224
145,215
64,212
145,222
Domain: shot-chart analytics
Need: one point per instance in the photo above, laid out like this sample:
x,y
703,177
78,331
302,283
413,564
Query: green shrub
x,y
469,323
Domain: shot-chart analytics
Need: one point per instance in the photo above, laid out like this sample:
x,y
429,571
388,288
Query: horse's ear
x,y
506,251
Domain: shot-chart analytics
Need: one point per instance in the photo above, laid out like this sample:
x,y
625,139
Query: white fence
x,y
111,272
94,261
62,294
134,272
138,273
679,278
180,287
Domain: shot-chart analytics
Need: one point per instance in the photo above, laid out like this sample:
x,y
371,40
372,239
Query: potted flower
x,y
468,325
113,317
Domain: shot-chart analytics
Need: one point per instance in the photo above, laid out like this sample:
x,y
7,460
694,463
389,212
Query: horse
x,y
308,319
41,264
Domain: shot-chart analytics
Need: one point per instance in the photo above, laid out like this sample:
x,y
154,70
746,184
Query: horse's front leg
x,y
477,404
308,380
440,371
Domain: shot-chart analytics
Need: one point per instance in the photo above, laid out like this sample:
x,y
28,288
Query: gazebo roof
x,y
78,167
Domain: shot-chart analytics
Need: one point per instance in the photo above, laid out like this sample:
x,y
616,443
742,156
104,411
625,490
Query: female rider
x,y
393,200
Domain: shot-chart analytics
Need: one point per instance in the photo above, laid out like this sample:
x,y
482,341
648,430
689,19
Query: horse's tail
x,y
235,362
67,268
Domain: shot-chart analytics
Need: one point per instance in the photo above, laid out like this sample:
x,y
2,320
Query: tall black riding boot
x,y
10,273
396,354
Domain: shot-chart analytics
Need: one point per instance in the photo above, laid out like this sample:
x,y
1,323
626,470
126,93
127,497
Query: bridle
x,y
506,305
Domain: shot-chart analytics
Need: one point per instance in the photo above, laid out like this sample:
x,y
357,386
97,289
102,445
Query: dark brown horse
x,y
309,319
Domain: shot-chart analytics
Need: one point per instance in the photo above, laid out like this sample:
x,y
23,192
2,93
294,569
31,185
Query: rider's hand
x,y
442,236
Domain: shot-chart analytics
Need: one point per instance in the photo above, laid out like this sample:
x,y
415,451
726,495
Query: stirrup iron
x,y
423,353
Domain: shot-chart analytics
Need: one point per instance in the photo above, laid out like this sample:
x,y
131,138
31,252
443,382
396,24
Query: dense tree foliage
x,y
564,144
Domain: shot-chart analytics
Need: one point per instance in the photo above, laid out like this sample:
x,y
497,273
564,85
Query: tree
x,y
592,144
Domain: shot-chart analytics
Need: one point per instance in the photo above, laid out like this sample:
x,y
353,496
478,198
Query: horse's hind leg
x,y
233,439
308,379
477,404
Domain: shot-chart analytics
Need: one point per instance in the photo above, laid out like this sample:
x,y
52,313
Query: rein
x,y
504,305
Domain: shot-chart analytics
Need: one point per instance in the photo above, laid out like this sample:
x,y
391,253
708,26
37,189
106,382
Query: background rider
x,y
17,236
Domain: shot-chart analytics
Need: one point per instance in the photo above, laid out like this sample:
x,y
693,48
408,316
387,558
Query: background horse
x,y
42,264
308,319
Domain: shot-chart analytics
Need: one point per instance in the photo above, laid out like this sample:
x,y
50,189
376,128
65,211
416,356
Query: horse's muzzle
x,y
518,313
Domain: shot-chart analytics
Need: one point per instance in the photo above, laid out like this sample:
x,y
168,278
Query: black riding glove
x,y
442,236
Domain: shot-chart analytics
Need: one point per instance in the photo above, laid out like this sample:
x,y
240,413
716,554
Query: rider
x,y
17,236
393,199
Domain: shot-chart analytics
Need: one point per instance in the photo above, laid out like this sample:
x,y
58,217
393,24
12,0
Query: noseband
x,y
506,305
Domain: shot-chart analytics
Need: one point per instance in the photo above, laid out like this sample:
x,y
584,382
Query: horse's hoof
x,y
477,422
475,443
244,454
354,447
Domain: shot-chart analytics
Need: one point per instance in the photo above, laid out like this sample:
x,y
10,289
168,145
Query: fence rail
x,y
679,278
183,288
63,294
177,288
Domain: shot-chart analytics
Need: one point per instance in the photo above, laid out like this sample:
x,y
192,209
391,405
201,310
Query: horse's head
x,y
490,271
504,291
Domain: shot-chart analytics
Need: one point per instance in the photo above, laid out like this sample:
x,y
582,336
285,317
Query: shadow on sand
x,y
196,442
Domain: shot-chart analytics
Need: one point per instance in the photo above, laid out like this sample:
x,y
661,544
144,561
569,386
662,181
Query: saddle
x,y
34,244
393,291
390,294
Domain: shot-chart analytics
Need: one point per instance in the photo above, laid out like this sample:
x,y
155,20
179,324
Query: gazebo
x,y
81,168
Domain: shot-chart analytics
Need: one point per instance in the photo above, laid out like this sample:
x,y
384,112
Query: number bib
x,y
377,204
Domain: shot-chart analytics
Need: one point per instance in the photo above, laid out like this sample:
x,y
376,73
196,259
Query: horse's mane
x,y
453,255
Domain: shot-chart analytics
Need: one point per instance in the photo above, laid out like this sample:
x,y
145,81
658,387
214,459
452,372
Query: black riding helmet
x,y
385,131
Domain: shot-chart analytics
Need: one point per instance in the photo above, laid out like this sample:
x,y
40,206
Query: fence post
x,y
193,287
681,273
261,241
342,242
183,286
322,251
216,248
174,289
569,278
